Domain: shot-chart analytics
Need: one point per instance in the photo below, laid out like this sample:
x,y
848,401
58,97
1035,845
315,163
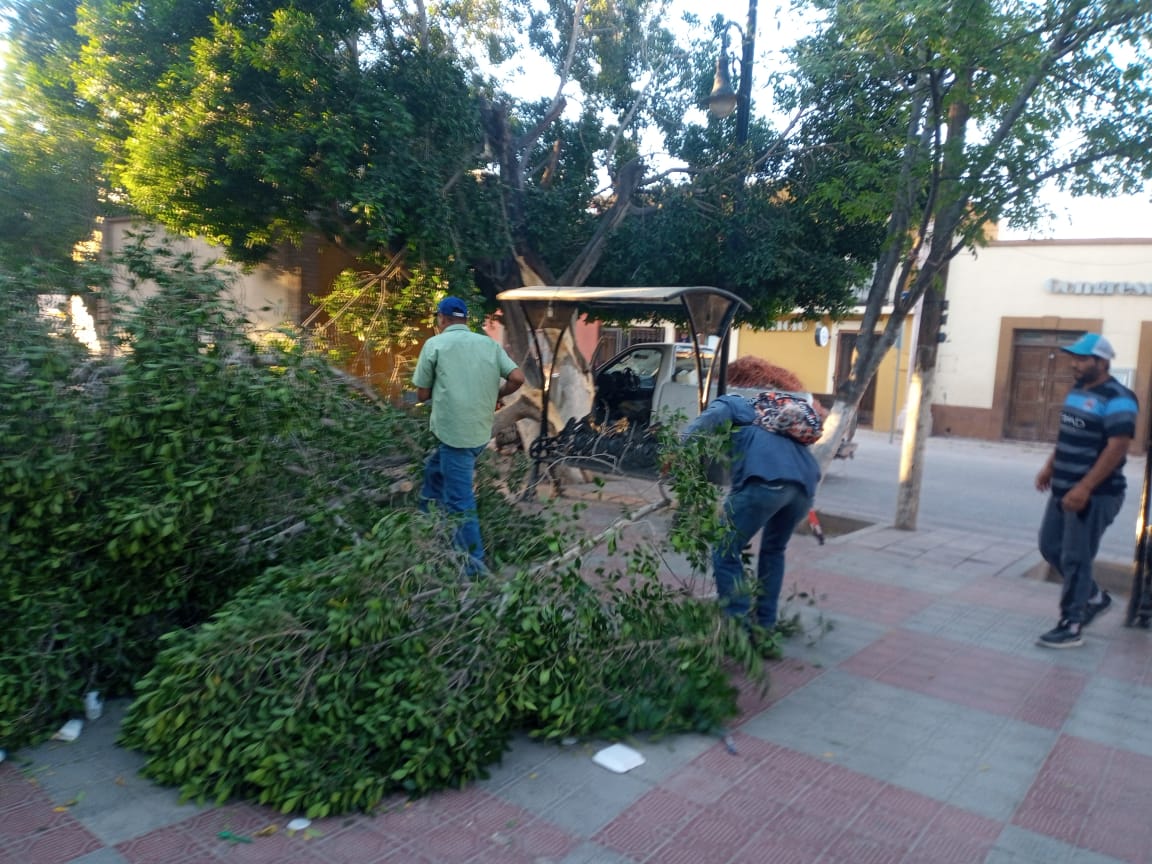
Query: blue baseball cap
x,y
1091,345
453,307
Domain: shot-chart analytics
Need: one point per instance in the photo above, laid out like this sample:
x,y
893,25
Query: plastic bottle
x,y
93,705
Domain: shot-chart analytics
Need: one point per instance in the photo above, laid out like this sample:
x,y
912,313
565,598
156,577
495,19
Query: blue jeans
x,y
449,474
776,508
1070,541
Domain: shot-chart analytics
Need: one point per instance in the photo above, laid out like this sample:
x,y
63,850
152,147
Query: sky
x,y
777,27
1074,218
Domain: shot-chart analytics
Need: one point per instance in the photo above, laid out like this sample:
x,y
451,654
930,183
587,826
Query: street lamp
x,y
723,100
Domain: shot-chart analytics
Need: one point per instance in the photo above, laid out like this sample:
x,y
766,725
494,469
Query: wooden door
x,y
1041,378
845,355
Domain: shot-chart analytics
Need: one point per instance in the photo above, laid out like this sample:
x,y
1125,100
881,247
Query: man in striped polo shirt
x,y
1086,476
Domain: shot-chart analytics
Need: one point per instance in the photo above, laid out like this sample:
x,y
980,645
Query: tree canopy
x,y
252,122
953,116
49,166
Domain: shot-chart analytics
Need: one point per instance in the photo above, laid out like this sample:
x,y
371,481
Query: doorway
x,y
845,354
1041,378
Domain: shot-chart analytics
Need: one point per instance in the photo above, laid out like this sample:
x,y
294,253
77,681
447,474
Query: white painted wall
x,y
1009,279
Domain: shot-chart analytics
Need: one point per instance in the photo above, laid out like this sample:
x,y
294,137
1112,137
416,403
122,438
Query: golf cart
x,y
640,387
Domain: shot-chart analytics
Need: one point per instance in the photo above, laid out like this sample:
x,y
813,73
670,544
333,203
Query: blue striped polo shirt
x,y
1088,419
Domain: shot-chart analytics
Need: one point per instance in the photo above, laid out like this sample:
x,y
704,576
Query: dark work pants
x,y
1070,541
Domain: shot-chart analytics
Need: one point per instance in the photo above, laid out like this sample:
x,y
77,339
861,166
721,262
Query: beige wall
x,y
1008,281
270,294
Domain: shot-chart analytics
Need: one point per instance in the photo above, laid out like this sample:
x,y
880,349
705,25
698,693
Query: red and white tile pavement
x,y
923,726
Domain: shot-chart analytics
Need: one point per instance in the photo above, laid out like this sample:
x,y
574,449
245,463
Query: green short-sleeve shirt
x,y
463,370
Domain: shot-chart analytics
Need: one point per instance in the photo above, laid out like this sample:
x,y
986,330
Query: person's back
x,y
469,369
773,481
461,372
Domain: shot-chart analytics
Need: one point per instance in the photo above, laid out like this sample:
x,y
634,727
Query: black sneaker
x,y
766,641
1094,610
1063,635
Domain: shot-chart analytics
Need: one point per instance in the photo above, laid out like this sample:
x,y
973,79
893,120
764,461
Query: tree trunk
x,y
836,426
917,428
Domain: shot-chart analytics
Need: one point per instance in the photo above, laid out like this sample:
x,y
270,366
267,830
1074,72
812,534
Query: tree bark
x,y
917,428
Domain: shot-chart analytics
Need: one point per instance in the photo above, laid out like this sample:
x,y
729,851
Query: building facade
x,y
1000,373
1012,305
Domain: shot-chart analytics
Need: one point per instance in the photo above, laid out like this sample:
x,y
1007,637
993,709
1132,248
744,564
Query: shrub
x,y
141,492
323,687
235,509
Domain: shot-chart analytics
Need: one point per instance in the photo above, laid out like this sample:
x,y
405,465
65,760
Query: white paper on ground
x,y
70,731
299,824
618,758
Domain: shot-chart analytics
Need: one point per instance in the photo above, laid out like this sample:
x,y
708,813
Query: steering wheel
x,y
629,380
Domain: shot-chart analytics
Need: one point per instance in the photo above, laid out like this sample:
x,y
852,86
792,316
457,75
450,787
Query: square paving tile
x,y
1004,630
1029,690
1114,712
1127,657
966,757
1092,796
58,844
883,604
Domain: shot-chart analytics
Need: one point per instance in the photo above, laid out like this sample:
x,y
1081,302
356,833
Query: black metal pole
x,y
743,115
1140,601
744,91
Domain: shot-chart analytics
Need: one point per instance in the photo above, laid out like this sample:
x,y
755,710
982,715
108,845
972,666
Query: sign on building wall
x,y
1119,289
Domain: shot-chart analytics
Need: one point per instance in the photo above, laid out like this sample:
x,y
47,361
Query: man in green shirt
x,y
464,374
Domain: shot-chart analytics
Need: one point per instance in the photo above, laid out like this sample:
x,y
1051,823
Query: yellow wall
x,y
797,351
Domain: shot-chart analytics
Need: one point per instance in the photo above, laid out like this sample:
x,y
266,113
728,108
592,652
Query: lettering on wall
x,y
1119,289
793,326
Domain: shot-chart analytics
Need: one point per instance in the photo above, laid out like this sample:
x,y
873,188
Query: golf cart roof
x,y
614,298
709,310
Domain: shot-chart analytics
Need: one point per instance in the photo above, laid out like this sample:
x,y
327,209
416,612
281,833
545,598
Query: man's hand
x,y
1044,478
1076,499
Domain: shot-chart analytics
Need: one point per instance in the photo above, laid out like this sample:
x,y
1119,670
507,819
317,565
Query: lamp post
x,y
724,99
721,102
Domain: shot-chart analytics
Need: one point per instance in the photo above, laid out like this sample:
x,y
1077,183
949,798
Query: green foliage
x,y
230,506
698,523
252,123
321,688
139,493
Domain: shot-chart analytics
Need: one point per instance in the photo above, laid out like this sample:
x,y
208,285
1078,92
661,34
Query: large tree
x,y
49,166
254,121
963,112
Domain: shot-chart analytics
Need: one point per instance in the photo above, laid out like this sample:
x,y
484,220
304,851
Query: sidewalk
x,y
925,726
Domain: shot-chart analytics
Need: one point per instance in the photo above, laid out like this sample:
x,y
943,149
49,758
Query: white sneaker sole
x,y
1076,644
